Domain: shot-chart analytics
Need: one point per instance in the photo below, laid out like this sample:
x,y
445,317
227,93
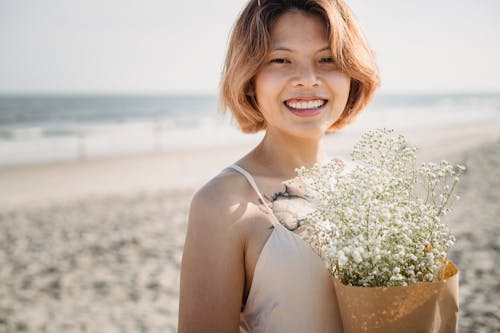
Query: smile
x,y
305,108
301,105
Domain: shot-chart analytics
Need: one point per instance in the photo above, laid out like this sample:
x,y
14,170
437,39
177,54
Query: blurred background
x,y
109,123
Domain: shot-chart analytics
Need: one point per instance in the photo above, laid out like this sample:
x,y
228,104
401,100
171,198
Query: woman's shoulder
x,y
223,188
221,196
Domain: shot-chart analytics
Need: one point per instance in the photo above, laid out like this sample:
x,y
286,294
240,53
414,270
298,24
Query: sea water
x,y
46,128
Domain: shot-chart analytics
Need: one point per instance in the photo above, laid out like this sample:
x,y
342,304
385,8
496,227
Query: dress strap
x,y
252,182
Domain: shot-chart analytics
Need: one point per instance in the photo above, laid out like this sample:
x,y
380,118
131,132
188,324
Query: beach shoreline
x,y
59,182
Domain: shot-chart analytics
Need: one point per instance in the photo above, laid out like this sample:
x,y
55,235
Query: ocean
x,y
48,128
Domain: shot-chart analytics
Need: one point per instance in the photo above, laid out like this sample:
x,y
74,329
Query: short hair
x,y
250,42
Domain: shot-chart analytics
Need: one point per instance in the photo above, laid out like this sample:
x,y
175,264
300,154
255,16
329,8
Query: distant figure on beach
x,y
295,69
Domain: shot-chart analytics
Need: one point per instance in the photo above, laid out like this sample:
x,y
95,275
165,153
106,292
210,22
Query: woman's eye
x,y
327,59
279,60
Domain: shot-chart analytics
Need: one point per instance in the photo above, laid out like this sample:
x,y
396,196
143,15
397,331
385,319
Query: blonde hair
x,y
250,42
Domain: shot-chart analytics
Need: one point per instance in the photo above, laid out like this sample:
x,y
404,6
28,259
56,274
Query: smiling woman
x,y
295,69
251,48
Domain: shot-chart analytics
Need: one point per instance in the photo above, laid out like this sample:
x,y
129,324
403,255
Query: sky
x,y
166,46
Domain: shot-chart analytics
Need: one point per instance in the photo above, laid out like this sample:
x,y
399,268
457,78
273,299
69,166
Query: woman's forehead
x,y
296,28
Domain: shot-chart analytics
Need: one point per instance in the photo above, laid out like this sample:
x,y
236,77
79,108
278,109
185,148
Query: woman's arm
x,y
212,271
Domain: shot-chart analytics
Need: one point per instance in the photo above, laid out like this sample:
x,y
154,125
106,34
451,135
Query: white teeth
x,y
306,105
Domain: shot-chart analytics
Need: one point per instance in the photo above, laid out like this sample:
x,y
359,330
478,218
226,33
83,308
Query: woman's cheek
x,y
340,81
272,78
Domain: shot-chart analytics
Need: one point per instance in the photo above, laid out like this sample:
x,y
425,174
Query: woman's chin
x,y
306,131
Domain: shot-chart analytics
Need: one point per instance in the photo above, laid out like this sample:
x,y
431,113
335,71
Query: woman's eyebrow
x,y
282,48
326,48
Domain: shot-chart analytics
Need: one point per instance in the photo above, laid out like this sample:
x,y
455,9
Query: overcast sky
x,y
156,46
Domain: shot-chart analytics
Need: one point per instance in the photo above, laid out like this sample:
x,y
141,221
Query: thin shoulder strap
x,y
250,179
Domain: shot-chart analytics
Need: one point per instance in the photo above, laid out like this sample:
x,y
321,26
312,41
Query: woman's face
x,y
299,88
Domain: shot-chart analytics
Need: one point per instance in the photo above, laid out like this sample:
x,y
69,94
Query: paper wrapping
x,y
427,307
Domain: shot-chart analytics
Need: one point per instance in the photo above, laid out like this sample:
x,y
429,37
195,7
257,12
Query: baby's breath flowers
x,y
379,224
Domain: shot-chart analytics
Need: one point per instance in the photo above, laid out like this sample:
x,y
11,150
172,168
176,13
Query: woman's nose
x,y
306,76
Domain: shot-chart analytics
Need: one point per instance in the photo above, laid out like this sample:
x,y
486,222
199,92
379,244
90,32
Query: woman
x,y
295,69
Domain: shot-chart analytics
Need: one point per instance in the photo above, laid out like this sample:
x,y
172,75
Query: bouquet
x,y
377,228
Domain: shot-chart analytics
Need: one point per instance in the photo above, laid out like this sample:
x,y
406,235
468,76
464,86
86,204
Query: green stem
x,y
447,197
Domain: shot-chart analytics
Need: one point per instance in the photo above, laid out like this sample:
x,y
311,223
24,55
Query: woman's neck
x,y
281,154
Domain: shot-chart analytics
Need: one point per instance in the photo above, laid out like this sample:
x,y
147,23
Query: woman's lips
x,y
306,107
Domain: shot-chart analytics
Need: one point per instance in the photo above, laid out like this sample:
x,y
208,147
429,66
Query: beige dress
x,y
291,289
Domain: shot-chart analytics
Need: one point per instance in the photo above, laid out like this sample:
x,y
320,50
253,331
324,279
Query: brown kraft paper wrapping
x,y
427,307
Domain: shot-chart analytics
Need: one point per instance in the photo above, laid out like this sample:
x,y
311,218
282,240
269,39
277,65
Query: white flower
x,y
342,258
357,256
378,222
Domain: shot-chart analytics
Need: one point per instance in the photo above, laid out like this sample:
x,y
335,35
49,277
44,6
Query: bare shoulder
x,y
222,197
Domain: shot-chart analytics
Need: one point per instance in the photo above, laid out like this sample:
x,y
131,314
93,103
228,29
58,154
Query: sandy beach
x,y
96,245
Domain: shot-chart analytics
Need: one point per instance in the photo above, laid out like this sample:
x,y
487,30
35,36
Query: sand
x,y
95,246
